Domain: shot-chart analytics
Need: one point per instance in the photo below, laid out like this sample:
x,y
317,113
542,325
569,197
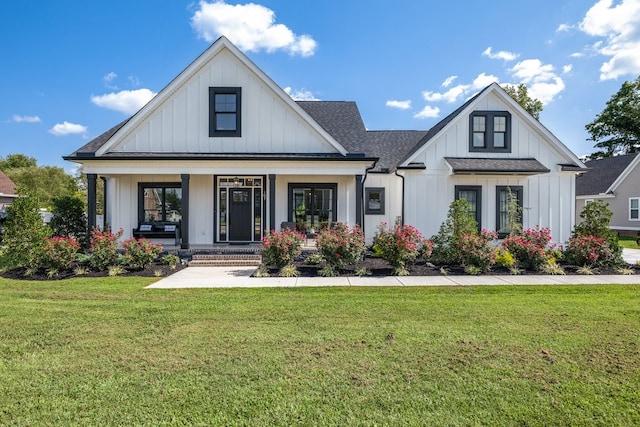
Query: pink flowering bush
x,y
103,245
58,253
399,246
590,251
341,246
529,248
281,248
476,250
140,253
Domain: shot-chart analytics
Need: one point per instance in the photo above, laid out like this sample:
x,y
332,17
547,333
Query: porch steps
x,y
225,260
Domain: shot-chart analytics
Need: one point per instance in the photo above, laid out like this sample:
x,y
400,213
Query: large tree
x,y
616,130
520,94
45,183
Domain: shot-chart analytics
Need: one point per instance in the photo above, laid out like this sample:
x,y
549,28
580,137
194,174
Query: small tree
x,y
24,232
68,218
459,222
596,221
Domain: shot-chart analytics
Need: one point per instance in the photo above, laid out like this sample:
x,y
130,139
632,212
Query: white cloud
x,y
564,28
619,25
25,119
566,69
108,79
576,55
483,80
401,105
301,95
507,56
427,113
447,82
250,26
66,128
449,96
133,81
541,80
125,101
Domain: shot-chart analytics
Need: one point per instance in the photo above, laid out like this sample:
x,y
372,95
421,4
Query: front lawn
x,y
104,351
628,242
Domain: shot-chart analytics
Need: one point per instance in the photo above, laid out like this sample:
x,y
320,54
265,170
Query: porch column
x,y
359,200
184,223
91,202
104,202
272,202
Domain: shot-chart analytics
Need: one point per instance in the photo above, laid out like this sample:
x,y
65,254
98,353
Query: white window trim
x,y
638,208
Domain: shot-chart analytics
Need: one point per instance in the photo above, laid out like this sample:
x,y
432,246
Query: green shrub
x,y
590,251
503,258
281,248
529,248
476,251
24,233
596,221
399,246
58,253
341,246
68,218
171,260
140,253
104,248
459,222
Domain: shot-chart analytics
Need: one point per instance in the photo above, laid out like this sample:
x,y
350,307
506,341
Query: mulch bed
x,y
154,270
379,267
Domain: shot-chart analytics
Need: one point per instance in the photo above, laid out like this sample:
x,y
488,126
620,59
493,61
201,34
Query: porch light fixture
x,y
236,181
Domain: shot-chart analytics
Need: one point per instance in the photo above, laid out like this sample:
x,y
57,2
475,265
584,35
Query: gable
x,y
604,175
527,138
177,120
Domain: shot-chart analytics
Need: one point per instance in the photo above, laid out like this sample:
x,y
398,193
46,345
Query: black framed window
x,y
504,196
312,206
473,195
374,201
159,202
225,111
490,131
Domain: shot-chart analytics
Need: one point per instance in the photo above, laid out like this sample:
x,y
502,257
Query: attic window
x,y
490,131
225,111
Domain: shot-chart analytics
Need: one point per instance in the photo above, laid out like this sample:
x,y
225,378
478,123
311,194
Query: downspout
x,y
402,193
364,179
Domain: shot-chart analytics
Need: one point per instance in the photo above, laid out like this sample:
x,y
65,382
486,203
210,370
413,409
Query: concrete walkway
x,y
239,277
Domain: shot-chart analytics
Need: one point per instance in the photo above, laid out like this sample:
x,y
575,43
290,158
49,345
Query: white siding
x,y
181,122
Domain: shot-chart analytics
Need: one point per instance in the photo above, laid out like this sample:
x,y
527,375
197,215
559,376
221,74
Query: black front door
x,y
240,227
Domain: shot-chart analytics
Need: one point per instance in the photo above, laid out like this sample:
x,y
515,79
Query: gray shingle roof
x,y
342,120
601,174
496,166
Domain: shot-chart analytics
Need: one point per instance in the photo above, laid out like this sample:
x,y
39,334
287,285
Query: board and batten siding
x,y
181,123
392,201
548,198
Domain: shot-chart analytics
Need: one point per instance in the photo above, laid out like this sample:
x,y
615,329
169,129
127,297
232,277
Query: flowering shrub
x,y
475,249
140,253
58,253
529,248
399,246
281,248
591,251
504,258
341,246
103,245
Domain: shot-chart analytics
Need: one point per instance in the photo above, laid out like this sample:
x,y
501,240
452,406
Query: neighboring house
x,y
7,191
226,154
615,181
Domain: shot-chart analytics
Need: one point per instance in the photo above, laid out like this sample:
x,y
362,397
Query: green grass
x,y
107,352
628,242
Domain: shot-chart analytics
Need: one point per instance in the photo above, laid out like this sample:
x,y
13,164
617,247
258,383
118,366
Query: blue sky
x,y
72,70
